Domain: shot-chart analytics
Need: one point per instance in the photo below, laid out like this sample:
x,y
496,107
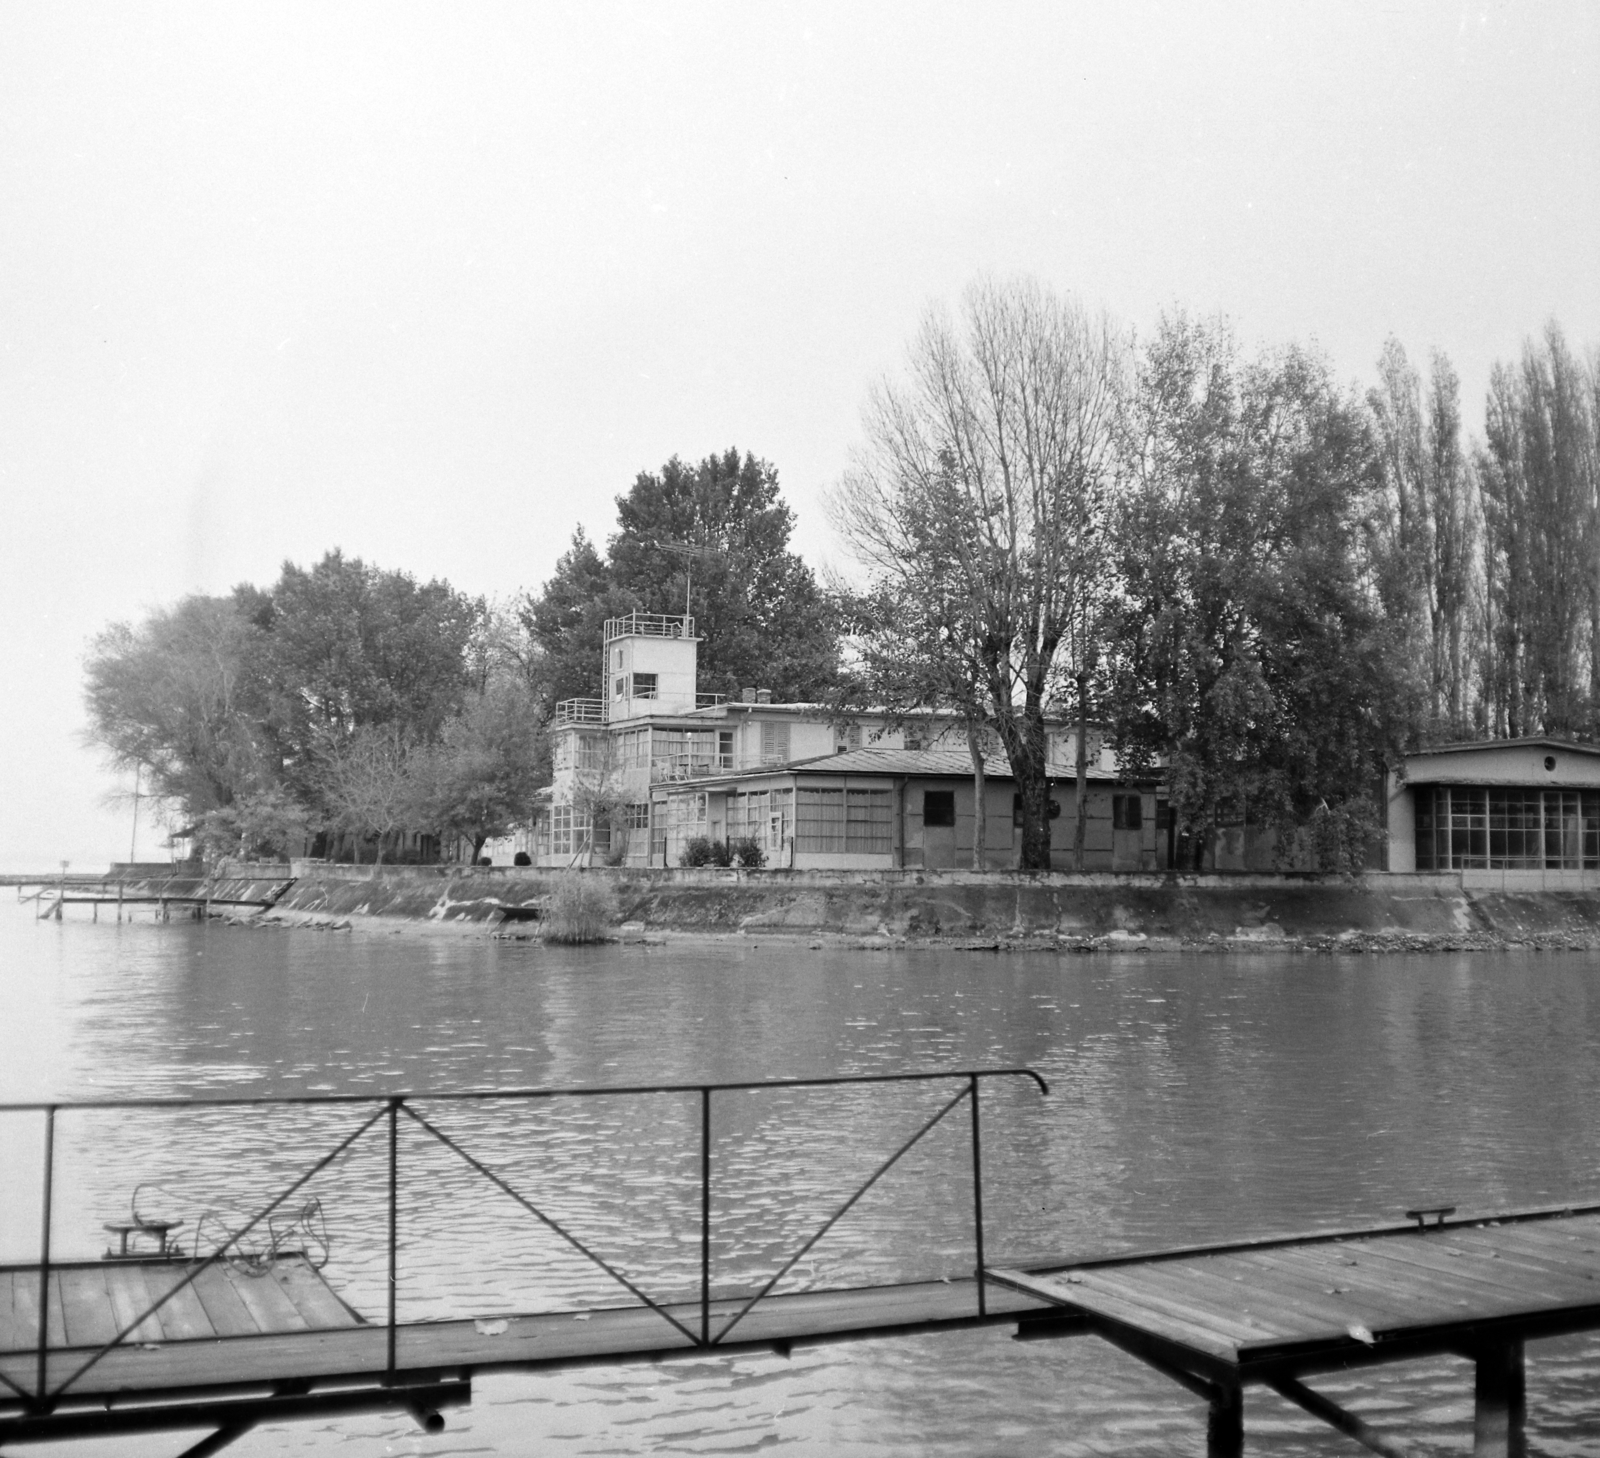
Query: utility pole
x,y
133,843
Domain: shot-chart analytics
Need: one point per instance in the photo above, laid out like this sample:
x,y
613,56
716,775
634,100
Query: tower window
x,y
644,685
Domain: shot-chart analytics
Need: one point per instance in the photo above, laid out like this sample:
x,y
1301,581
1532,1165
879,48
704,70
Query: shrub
x,y
747,852
522,858
583,908
700,850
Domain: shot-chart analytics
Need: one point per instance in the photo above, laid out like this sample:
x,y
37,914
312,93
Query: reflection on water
x,y
1193,1098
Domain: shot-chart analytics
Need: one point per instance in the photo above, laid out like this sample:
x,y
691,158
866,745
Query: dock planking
x,y
1275,1311
605,1335
1268,1312
92,1301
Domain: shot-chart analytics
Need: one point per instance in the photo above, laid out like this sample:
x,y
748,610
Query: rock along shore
x,y
1392,913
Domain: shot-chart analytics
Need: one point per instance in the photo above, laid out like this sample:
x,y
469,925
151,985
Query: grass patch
x,y
582,909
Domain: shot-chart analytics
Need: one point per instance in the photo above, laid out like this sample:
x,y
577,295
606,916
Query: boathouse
x,y
1513,814
655,763
886,809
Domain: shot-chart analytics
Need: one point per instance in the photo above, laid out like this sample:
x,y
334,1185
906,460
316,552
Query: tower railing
x,y
650,625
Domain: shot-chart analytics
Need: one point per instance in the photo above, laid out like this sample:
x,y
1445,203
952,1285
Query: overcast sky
x,y
432,283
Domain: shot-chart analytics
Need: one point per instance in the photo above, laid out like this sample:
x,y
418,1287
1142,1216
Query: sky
x,y
432,283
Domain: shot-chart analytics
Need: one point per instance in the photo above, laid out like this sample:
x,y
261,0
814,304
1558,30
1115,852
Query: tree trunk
x,y
980,809
1080,833
1025,747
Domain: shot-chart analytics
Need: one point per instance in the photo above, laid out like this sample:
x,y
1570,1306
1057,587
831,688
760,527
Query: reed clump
x,y
583,908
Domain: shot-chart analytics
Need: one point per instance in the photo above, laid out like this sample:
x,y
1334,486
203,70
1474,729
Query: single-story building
x,y
870,809
1513,813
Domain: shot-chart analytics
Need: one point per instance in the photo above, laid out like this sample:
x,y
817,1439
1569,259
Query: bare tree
x,y
982,489
368,783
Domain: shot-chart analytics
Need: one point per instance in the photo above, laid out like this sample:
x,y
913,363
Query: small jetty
x,y
218,1338
159,889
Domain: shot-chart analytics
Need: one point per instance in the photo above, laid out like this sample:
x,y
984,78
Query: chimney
x,y
763,696
747,695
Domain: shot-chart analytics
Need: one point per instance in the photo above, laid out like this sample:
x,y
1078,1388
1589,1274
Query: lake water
x,y
1193,1098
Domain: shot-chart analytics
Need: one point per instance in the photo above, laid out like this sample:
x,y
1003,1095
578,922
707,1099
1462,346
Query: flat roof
x,y
923,763
1468,746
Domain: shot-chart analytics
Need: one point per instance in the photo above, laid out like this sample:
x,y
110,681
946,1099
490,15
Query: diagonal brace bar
x,y
220,1251
1336,1417
551,1223
839,1215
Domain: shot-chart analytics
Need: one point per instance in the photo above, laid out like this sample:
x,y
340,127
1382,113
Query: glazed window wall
x,y
1467,828
762,815
857,822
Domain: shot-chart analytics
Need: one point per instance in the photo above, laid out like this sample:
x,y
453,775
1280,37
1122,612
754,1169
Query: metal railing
x,y
384,1113
580,711
649,625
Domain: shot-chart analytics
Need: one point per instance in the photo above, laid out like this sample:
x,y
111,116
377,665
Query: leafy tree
x,y
1539,480
980,494
183,696
351,646
757,606
567,621
482,776
1249,649
1425,529
267,820
712,537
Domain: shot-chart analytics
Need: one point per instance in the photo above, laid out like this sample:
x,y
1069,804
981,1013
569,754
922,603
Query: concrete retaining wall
x,y
1183,909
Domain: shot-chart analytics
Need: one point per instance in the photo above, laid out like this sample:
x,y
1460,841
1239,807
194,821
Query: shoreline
x,y
1059,914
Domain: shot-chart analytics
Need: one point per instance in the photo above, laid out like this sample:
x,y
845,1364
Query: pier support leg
x,y
1500,1403
1225,1422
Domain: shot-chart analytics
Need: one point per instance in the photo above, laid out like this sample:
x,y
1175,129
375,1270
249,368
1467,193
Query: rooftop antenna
x,y
690,554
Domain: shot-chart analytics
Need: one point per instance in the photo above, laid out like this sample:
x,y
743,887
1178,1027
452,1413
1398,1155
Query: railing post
x,y
44,1243
705,1217
977,1194
394,1224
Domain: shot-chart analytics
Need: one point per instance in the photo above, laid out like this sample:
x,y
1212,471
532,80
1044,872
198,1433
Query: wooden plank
x,y
10,1325
1291,1310
1445,1284
1202,1338
58,1317
1574,1263
1553,1237
90,1322
229,1316
183,1318
1179,1291
1316,1276
25,1308
1413,1285
1520,1279
620,1332
311,1295
129,1301
266,1301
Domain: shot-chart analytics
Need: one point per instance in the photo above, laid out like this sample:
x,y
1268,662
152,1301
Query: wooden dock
x,y
114,1346
1275,1311
1215,1319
